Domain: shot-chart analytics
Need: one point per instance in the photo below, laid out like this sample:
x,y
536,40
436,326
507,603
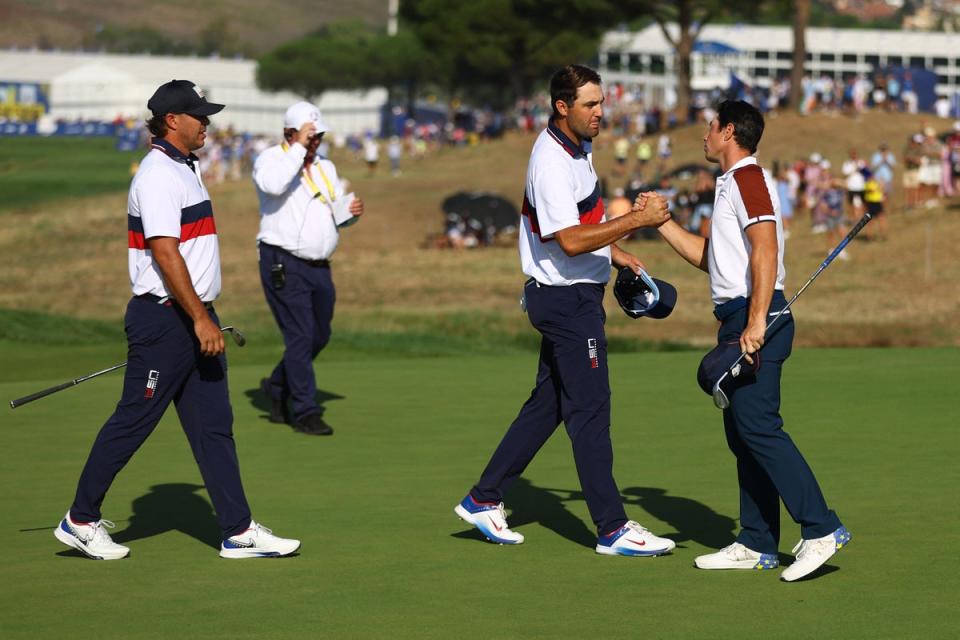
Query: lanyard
x,y
311,185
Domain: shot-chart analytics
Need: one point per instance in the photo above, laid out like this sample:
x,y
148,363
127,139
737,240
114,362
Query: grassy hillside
x,y
69,256
254,25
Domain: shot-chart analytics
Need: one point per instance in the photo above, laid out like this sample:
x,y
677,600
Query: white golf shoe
x,y
632,539
257,542
90,538
489,518
811,554
737,556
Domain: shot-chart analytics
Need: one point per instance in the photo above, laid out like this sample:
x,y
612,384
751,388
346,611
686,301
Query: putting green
x,y
384,556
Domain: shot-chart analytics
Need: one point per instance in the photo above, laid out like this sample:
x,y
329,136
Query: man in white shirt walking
x,y
567,247
303,204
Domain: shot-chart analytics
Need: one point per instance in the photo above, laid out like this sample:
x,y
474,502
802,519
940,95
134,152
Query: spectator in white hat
x,y
303,205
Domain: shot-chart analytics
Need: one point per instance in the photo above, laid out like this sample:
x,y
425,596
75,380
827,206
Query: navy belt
x,y
313,263
726,309
165,300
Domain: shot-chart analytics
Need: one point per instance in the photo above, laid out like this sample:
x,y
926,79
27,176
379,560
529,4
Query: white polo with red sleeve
x,y
745,195
167,199
562,191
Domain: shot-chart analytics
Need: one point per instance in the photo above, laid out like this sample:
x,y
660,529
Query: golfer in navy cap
x,y
175,348
744,257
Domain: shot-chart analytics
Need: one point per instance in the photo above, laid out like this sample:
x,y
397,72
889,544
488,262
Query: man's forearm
x,y
585,238
690,247
649,210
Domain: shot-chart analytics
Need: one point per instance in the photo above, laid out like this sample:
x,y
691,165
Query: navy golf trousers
x,y
769,465
303,309
164,365
572,386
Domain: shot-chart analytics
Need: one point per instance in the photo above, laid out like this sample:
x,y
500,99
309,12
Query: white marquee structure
x,y
102,86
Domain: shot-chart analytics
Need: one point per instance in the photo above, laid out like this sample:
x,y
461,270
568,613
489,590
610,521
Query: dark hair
x,y
747,122
158,125
567,81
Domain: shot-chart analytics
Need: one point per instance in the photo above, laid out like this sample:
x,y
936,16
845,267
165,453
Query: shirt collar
x,y
172,152
574,150
740,163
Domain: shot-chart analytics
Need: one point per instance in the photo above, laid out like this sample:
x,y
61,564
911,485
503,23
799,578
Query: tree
x,y
801,16
504,47
690,16
336,57
346,55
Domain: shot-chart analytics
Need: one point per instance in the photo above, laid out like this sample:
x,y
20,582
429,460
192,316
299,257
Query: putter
x,y
235,333
720,399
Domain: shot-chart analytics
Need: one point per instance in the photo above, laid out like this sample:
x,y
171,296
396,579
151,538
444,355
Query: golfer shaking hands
x,y
175,349
744,258
566,248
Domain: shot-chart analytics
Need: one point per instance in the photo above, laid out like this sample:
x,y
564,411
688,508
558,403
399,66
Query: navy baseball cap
x,y
643,296
718,361
181,96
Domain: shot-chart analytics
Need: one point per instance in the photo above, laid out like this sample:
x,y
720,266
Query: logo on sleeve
x,y
592,353
152,377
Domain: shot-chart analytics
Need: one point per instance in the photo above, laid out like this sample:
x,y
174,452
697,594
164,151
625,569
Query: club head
x,y
235,333
720,399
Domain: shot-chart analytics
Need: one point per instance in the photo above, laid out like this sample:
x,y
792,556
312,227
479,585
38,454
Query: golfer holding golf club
x,y
744,257
175,345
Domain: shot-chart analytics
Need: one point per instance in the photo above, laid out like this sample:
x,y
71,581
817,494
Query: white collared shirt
x,y
167,199
562,191
294,214
746,194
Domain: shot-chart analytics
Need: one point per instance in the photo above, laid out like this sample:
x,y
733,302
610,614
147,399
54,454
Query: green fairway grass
x,y
384,556
40,170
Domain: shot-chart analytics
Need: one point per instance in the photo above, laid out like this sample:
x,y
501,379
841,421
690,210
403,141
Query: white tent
x,y
101,86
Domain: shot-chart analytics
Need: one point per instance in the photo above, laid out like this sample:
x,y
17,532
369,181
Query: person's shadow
x,y
259,400
693,521
530,503
172,507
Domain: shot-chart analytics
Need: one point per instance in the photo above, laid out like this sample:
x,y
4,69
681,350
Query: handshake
x,y
650,209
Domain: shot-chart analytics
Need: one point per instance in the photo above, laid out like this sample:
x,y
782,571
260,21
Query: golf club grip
x,y
850,236
41,394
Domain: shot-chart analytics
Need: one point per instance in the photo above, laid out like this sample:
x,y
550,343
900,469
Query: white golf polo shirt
x,y
167,199
745,195
295,205
562,191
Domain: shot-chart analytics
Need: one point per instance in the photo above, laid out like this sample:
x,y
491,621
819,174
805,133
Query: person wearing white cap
x,y
303,205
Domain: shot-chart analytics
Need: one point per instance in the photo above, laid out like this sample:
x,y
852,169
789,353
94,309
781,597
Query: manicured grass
x,y
40,170
384,556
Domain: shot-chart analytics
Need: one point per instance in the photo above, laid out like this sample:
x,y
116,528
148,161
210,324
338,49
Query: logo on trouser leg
x,y
152,378
592,353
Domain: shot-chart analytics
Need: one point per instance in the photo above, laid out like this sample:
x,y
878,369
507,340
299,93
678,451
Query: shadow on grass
x,y
172,507
259,400
532,504
692,520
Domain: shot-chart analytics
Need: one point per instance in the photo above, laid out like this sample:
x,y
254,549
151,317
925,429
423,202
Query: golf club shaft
x,y
235,333
60,387
823,265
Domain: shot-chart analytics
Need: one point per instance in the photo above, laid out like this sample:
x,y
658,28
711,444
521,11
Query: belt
x,y
539,284
313,263
165,300
725,310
